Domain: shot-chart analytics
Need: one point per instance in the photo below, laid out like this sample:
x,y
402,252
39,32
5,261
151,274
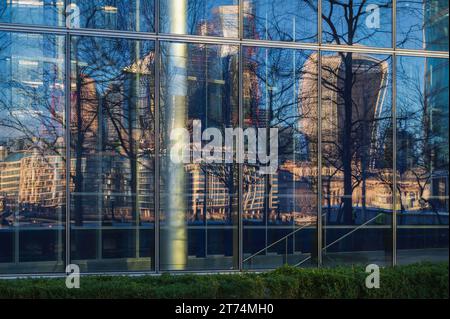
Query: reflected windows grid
x,y
32,153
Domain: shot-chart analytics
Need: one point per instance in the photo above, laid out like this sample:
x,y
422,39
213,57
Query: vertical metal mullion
x,y
394,134
319,22
240,165
319,137
157,134
241,125
394,160
157,16
319,160
67,87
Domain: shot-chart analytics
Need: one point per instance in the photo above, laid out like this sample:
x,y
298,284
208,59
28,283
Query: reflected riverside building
x,y
86,121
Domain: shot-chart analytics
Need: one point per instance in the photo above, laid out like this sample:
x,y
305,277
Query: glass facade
x,y
222,135
357,157
198,200
112,149
283,20
357,22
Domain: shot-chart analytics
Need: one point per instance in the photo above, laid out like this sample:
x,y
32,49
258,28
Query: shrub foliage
x,y
423,280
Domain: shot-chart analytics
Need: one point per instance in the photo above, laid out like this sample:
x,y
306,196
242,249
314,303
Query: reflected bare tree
x,y
32,119
421,133
113,114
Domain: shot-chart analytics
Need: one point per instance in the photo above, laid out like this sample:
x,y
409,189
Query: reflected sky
x,y
282,20
359,22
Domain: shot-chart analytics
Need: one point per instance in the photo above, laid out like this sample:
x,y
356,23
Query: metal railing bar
x,y
276,242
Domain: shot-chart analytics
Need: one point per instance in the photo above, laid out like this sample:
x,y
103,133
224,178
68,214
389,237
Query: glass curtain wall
x,y
112,153
32,153
422,159
199,215
120,141
357,175
280,206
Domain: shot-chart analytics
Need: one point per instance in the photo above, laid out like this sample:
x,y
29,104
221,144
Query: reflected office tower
x,y
174,236
368,98
84,131
436,122
144,137
352,139
227,20
436,95
249,20
47,12
226,24
435,24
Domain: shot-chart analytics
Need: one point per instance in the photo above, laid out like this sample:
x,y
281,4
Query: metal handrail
x,y
342,237
276,242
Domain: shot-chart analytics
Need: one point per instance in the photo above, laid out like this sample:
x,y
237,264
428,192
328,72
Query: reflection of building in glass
x,y
435,24
227,20
31,180
32,168
368,88
34,11
436,94
297,197
115,137
208,189
114,142
368,129
259,198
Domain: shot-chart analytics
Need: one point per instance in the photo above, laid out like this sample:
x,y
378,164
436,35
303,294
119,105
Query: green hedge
x,y
413,281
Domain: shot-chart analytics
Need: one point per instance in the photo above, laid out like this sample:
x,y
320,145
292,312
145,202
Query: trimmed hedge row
x,y
424,280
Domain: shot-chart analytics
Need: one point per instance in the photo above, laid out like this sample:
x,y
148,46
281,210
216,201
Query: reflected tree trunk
x,y
347,140
78,178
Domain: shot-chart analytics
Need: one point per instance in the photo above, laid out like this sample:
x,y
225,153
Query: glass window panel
x,y
422,24
128,15
280,206
357,158
283,20
200,17
357,22
112,154
199,91
39,12
32,153
422,159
